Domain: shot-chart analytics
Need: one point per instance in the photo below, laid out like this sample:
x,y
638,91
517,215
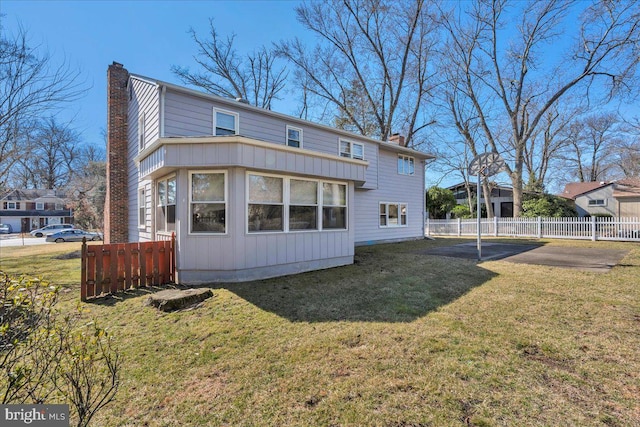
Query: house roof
x,y
628,187
390,146
575,189
33,194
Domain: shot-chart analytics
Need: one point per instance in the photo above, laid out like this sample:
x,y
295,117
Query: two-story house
x,y
25,209
250,193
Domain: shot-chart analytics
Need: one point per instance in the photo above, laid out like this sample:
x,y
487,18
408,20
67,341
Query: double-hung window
x,y
303,204
225,122
352,150
334,206
142,211
13,205
393,214
294,137
208,193
406,165
266,203
39,206
166,204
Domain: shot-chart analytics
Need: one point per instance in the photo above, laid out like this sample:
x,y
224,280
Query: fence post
x,y
593,228
539,227
83,271
426,223
495,226
172,275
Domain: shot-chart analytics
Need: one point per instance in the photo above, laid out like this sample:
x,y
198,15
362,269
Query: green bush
x,y
440,201
461,211
547,205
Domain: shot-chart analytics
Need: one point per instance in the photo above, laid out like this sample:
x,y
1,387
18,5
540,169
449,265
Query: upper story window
x,y
141,130
353,150
13,205
225,122
406,165
208,202
39,206
294,137
597,202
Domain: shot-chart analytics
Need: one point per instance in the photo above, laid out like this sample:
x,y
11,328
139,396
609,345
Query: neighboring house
x,y
26,210
615,198
501,197
250,193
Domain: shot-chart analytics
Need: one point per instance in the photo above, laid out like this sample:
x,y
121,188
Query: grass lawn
x,y
397,339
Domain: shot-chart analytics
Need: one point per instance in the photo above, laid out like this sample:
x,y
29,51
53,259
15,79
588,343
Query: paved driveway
x,y
589,259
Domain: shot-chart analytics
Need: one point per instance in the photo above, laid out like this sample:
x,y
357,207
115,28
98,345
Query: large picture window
x,y
393,214
286,204
225,122
266,203
208,202
166,204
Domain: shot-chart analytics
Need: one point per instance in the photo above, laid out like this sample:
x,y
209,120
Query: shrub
x,y
46,356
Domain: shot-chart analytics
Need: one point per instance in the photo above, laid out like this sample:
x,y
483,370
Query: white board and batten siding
x,y
241,255
144,99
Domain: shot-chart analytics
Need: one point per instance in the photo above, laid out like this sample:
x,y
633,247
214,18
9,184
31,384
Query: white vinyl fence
x,y
589,228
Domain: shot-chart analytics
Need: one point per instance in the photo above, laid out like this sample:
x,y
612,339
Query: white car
x,y
50,229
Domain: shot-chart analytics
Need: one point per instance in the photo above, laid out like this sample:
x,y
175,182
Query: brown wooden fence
x,y
116,267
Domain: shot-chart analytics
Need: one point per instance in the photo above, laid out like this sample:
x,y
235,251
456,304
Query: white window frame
x,y
236,120
166,179
286,203
406,165
596,204
399,206
349,154
142,131
225,202
39,206
286,136
14,207
142,208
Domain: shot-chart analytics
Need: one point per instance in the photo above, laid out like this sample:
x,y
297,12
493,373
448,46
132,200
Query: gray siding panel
x,y
392,188
187,115
144,99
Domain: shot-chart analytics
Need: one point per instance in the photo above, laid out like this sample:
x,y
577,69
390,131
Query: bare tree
x,y
255,78
506,84
377,49
31,85
53,156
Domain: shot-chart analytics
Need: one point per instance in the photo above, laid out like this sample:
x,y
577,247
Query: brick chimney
x,y
116,212
396,138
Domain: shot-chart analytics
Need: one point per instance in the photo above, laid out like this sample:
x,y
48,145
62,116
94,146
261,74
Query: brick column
x,y
116,209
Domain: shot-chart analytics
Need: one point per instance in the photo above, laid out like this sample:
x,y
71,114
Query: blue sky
x,y
148,37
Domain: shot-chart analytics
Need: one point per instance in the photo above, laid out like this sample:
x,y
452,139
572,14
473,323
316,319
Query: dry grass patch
x,y
397,339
